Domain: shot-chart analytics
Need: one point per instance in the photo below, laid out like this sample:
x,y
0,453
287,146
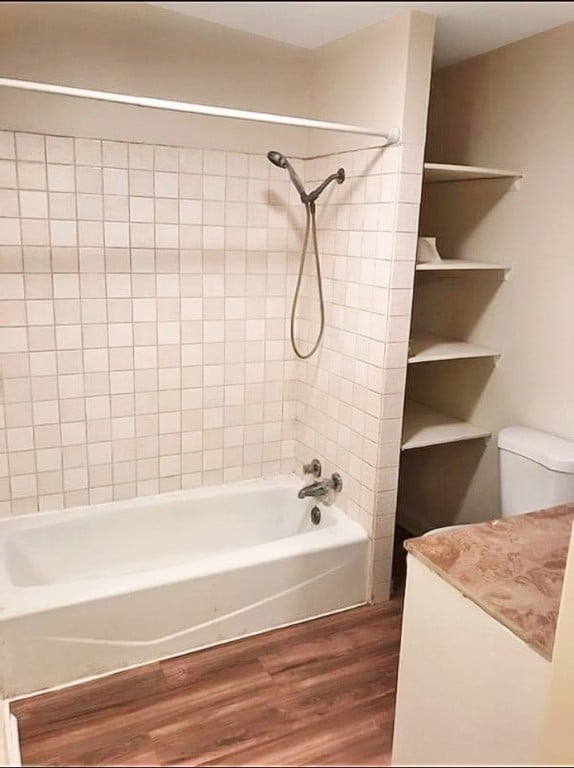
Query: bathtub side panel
x,y
54,647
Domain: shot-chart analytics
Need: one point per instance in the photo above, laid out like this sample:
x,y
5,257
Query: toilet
x,y
536,472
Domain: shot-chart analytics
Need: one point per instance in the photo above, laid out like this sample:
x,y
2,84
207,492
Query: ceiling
x,y
463,29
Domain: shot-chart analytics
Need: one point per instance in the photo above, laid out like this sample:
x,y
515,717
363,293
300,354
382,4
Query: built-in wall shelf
x,y
428,348
424,427
460,265
435,173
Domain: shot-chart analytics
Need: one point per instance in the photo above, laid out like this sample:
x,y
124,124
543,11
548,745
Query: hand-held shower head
x,y
308,200
281,162
277,159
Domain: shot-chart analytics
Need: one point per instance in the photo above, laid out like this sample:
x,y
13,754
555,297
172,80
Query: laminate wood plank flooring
x,y
320,693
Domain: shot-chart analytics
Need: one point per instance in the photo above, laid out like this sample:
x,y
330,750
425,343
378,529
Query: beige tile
x,y
141,209
10,232
30,175
89,180
190,186
140,156
191,161
91,237
166,211
30,146
141,183
116,208
116,234
35,232
61,178
59,149
9,205
63,233
8,174
34,204
165,184
167,235
115,181
88,152
7,145
90,207
166,158
115,154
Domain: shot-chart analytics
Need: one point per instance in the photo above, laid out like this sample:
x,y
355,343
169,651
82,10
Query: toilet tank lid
x,y
553,452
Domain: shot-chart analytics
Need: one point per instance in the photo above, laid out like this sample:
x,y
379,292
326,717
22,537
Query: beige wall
x,y
139,49
510,108
360,79
393,81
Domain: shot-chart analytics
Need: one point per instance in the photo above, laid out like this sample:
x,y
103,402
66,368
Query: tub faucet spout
x,y
313,489
320,488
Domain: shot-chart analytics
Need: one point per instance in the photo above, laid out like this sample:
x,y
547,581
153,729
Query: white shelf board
x,y
424,427
426,348
441,172
460,265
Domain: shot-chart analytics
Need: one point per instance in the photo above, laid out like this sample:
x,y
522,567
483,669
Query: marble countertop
x,y
512,568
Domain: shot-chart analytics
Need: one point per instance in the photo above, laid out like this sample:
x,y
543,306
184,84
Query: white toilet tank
x,y
536,470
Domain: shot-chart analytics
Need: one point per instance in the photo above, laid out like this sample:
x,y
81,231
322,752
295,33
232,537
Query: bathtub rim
x,y
22,601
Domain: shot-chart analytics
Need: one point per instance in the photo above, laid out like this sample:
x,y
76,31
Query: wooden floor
x,y
319,693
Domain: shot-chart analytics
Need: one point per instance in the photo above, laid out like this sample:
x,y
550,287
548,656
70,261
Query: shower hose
x,y
310,228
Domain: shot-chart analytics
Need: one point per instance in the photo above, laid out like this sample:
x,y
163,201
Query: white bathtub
x,y
94,589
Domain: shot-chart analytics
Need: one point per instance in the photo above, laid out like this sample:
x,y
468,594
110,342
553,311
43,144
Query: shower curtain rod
x,y
391,136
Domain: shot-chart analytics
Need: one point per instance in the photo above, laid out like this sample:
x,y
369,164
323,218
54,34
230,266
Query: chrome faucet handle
x,y
313,468
336,482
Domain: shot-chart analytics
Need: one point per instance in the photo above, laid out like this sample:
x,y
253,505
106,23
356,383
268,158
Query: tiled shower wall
x,y
144,297
350,395
145,300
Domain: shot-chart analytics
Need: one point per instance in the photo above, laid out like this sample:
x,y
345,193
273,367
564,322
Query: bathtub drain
x,y
315,515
